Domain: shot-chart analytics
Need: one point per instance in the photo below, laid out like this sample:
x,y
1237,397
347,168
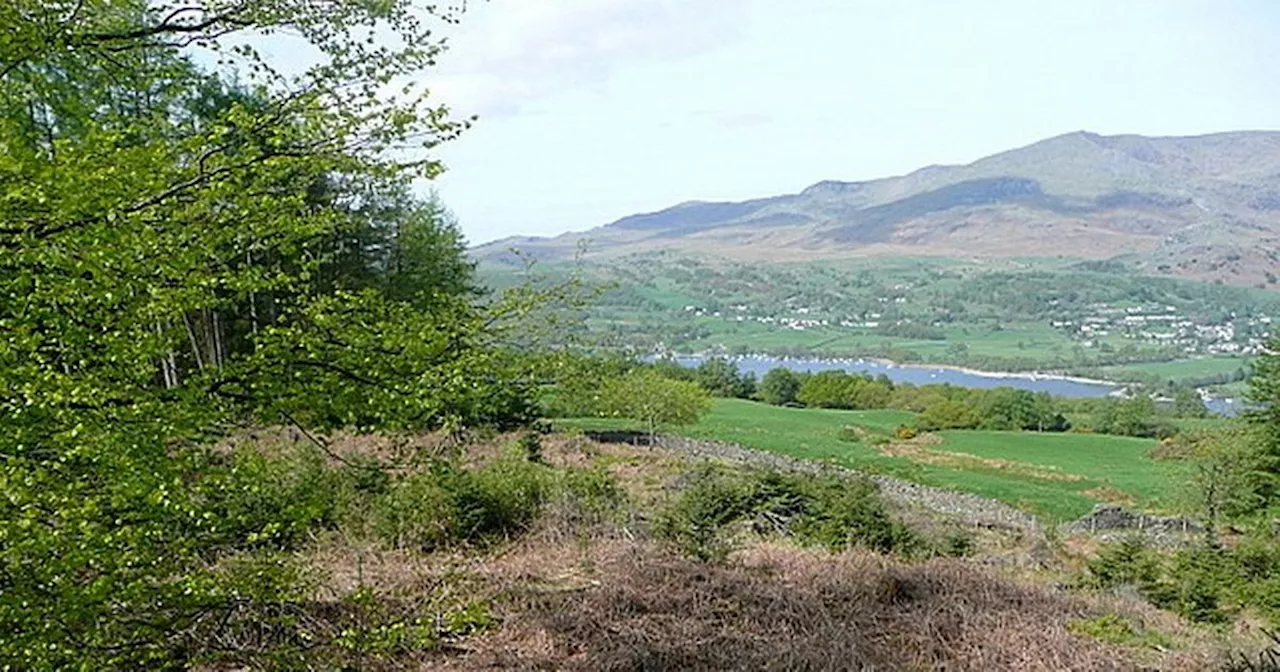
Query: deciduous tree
x,y
173,261
654,400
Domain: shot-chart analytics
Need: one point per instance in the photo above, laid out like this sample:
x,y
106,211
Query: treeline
x,y
937,406
942,406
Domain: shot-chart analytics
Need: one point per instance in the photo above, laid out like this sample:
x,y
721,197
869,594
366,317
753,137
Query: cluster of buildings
x,y
1164,325
1160,325
738,313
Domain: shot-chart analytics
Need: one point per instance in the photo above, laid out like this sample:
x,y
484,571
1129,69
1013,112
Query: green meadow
x,y
1055,476
1200,367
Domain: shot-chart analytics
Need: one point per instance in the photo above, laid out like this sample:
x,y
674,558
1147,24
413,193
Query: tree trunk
x,y
168,372
195,343
253,298
216,344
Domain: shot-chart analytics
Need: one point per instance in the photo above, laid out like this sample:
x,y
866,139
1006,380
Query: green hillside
x,y
1025,314
1058,476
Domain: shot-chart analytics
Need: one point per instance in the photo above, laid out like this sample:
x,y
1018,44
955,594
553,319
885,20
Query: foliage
x,y
446,505
1129,562
837,389
529,446
948,414
1264,390
1188,404
416,511
1231,475
826,511
377,634
183,250
1115,629
1136,416
576,389
721,378
1206,583
654,400
589,496
779,387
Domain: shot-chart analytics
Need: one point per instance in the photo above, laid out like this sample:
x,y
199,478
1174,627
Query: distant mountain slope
x,y
1206,207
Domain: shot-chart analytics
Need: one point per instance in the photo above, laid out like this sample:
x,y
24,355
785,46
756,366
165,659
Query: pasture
x,y
1056,476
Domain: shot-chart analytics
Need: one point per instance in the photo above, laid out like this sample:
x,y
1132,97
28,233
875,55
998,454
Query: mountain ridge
x,y
1205,206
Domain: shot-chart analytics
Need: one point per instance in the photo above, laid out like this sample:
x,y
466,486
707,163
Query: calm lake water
x,y
932,375
917,374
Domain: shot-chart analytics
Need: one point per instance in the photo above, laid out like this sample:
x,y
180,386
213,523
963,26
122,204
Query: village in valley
x,y
1156,325
1163,325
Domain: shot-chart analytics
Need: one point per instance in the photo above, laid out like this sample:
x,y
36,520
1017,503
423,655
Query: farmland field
x,y
1032,314
1057,476
1184,368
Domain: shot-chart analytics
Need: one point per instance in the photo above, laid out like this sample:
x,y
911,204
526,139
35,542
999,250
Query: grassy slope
x,y
1186,368
1111,461
1117,464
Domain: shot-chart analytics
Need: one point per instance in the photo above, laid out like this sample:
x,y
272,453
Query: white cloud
x,y
506,54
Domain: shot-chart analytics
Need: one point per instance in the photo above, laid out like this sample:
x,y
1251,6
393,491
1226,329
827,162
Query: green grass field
x,y
1057,476
1185,368
1029,339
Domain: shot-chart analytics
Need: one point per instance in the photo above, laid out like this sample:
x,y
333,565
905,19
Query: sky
x,y
591,110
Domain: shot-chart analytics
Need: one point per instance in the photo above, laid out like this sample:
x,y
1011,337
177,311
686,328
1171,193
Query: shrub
x,y
840,513
366,475
827,511
380,633
1128,562
694,524
1204,583
1115,629
447,504
957,545
529,446
416,512
948,414
267,501
589,496
497,500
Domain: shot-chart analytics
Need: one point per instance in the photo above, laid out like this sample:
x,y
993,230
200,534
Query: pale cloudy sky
x,y
591,110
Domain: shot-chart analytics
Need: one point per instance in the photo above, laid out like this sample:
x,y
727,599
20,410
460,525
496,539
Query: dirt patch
x,y
915,451
1110,495
781,608
926,439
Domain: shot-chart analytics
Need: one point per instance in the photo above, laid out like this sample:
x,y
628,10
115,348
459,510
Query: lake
x,y
919,374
